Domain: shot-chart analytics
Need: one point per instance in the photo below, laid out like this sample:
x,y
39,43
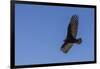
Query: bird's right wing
x,y
66,47
74,25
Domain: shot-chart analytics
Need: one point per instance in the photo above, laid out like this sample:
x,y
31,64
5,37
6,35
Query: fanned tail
x,y
79,41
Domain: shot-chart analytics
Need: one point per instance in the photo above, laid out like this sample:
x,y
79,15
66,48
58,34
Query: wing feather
x,y
74,25
66,47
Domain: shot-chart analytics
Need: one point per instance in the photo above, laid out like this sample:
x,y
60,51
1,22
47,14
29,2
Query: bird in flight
x,y
71,35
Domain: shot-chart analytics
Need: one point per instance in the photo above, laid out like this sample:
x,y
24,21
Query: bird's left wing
x,y
66,47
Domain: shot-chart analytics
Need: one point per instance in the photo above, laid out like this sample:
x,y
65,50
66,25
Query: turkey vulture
x,y
71,35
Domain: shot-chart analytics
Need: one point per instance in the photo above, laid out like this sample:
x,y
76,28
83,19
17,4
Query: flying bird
x,y
71,35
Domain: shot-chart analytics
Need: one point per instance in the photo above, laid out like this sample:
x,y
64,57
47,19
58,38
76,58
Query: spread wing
x,y
72,28
66,47
74,25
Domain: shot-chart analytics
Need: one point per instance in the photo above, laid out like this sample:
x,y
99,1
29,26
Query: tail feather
x,y
79,41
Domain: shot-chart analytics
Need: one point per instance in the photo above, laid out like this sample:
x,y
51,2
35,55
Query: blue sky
x,y
40,31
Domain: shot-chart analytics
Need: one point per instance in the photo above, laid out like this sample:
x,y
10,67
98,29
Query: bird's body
x,y
71,35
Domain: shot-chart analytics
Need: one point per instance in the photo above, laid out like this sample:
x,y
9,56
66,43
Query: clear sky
x,y
40,31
